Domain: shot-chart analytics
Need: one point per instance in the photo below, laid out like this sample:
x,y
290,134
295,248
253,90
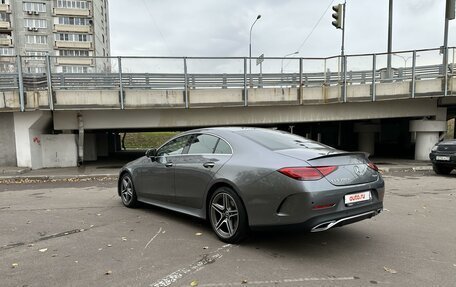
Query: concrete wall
x,y
7,141
59,150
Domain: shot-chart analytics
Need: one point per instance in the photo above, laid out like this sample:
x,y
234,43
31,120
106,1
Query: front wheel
x,y
227,215
439,169
127,191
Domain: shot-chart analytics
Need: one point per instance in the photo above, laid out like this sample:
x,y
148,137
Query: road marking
x,y
296,280
195,267
158,232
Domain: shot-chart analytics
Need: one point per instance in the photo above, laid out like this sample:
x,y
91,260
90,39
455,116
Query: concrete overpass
x,y
50,119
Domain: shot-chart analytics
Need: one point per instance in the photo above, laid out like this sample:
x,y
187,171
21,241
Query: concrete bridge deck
x,y
57,119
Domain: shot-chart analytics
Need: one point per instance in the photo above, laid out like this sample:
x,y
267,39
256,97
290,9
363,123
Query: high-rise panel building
x,y
77,29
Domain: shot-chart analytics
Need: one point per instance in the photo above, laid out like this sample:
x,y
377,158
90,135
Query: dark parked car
x,y
443,157
242,178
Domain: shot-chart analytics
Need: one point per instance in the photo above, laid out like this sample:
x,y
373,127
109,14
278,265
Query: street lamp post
x,y
250,47
390,37
283,58
405,58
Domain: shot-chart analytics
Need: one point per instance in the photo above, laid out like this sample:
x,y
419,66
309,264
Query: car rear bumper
x,y
327,221
451,162
281,201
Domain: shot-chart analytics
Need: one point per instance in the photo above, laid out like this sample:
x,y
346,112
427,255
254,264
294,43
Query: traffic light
x,y
450,9
338,16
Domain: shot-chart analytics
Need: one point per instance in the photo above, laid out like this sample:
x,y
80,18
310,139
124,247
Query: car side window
x,y
223,147
202,144
176,146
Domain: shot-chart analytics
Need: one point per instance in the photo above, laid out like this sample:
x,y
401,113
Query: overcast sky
x,y
221,27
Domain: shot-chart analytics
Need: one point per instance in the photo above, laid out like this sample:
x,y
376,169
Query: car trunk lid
x,y
352,167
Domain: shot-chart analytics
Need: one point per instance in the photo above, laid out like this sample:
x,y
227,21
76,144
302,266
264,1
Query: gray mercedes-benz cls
x,y
243,178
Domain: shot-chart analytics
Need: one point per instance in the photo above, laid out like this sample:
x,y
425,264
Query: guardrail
x,y
24,73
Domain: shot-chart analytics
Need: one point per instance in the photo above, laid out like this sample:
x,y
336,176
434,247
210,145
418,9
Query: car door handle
x,y
169,164
209,164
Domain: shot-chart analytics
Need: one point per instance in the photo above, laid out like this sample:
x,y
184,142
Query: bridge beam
x,y
252,115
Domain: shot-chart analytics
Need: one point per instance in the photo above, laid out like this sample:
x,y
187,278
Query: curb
x,y
405,169
59,177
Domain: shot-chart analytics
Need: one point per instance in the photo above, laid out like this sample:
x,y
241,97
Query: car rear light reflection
x,y
307,173
324,206
372,166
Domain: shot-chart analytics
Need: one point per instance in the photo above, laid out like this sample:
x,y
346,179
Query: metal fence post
x,y
344,93
49,83
301,91
374,68
21,83
186,84
413,74
121,92
246,92
445,70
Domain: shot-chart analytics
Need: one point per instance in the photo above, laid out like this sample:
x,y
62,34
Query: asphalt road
x,y
79,234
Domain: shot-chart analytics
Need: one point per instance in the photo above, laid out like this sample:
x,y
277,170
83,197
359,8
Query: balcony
x,y
72,28
73,44
71,12
6,42
4,25
74,61
5,8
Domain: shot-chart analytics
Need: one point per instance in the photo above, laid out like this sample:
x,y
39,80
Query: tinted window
x,y
202,144
222,148
276,140
176,146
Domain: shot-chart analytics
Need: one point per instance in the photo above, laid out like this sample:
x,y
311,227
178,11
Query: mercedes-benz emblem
x,y
357,170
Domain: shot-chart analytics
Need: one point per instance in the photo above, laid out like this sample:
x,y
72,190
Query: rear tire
x,y
127,191
439,169
227,215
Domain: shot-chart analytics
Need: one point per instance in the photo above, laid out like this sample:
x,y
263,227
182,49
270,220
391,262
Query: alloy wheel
x,y
126,190
224,215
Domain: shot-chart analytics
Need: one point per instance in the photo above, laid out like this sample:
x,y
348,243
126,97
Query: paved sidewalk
x,y
111,170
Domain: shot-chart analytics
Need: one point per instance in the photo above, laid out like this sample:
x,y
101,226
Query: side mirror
x,y
151,153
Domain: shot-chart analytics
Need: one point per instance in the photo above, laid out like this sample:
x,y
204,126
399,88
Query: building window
x,y
72,4
75,69
6,51
35,23
74,21
35,39
36,70
34,7
73,37
4,17
35,55
74,53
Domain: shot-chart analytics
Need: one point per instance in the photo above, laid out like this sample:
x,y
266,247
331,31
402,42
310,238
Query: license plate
x,y
441,157
357,197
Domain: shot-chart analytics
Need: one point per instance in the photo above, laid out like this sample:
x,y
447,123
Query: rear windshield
x,y
277,140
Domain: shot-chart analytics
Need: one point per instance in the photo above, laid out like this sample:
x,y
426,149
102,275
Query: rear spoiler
x,y
363,154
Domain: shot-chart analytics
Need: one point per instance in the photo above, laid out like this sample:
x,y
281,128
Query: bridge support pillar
x,y
28,130
427,135
366,136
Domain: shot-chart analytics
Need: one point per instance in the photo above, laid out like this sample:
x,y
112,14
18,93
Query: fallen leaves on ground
x,y
194,283
392,271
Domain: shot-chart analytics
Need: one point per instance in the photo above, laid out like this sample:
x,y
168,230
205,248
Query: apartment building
x,y
75,29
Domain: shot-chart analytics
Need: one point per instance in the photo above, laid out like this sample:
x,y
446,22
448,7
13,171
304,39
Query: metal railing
x,y
54,73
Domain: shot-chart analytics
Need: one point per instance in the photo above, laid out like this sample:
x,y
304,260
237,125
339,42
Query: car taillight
x,y
307,173
373,166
